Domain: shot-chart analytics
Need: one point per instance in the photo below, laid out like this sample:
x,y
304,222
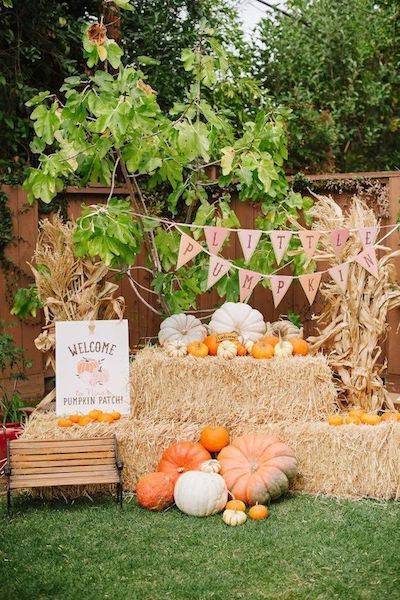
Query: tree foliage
x,y
340,76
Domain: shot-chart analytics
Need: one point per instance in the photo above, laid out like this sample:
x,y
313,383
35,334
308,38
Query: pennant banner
x,y
339,237
280,241
368,235
309,241
367,259
280,285
339,275
249,239
310,284
215,237
188,249
247,282
218,268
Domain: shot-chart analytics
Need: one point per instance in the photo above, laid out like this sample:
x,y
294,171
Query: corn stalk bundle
x,y
354,323
70,288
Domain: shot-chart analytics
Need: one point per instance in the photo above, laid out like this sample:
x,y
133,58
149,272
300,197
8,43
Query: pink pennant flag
x,y
339,275
215,237
280,285
218,268
188,249
310,284
247,282
309,240
339,237
249,239
280,241
368,235
367,259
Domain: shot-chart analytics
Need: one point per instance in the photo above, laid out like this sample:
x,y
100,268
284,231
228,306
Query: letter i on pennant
x,y
340,275
188,249
249,239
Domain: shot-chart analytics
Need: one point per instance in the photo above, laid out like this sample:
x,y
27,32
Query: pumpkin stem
x,y
180,469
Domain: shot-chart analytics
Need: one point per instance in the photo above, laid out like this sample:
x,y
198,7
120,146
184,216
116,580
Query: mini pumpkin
x,y
210,466
95,414
227,350
370,419
155,491
200,494
176,349
74,418
335,420
185,328
356,412
300,346
283,349
284,330
105,418
352,420
84,420
262,350
270,339
259,512
197,349
212,344
181,457
64,423
235,505
241,349
214,438
389,416
257,468
116,415
234,517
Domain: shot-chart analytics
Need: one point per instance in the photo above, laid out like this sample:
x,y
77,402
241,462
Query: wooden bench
x,y
50,463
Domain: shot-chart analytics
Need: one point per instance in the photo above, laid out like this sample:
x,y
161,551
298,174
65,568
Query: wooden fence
x,y
144,323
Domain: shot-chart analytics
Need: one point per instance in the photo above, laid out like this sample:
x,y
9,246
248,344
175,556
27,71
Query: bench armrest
x,y
119,464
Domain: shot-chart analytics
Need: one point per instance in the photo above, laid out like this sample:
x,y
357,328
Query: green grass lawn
x,y
309,548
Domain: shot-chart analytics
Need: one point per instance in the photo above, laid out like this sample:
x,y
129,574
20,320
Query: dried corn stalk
x,y
355,323
70,288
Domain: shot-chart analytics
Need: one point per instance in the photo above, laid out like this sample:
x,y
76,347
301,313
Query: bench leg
x,y
120,494
8,501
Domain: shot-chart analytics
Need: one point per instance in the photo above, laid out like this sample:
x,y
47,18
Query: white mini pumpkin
x,y
234,517
284,330
227,350
183,328
283,349
211,466
200,494
237,317
176,349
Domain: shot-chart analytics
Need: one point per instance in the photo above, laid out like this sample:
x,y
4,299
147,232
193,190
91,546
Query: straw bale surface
x,y
231,391
347,461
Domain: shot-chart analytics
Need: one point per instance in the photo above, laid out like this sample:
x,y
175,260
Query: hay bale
x,y
230,392
348,461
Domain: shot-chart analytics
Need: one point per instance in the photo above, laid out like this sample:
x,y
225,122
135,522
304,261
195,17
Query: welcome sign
x,y
92,367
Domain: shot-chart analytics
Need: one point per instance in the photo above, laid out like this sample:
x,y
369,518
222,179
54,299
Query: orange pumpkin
x,y
116,415
335,420
257,468
74,418
390,416
84,420
105,418
155,491
270,339
262,349
370,419
198,349
211,342
214,438
235,505
356,412
352,420
181,457
64,423
259,512
300,346
241,349
95,414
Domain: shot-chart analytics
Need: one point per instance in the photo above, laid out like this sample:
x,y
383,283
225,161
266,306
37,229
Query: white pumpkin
x,y
284,330
234,517
249,346
227,350
200,494
283,349
176,349
182,328
247,322
211,466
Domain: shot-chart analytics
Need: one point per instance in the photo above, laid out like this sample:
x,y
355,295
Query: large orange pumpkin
x,y
300,346
214,438
181,457
155,491
270,339
257,468
211,342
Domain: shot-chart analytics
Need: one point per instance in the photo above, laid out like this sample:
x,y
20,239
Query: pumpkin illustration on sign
x,y
91,372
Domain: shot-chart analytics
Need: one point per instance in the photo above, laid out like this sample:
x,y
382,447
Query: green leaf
x,y
228,154
124,4
147,60
188,58
38,98
114,53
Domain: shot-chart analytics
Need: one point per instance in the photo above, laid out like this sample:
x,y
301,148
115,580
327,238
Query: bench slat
x,y
62,450
61,463
108,468
42,457
22,443
56,480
